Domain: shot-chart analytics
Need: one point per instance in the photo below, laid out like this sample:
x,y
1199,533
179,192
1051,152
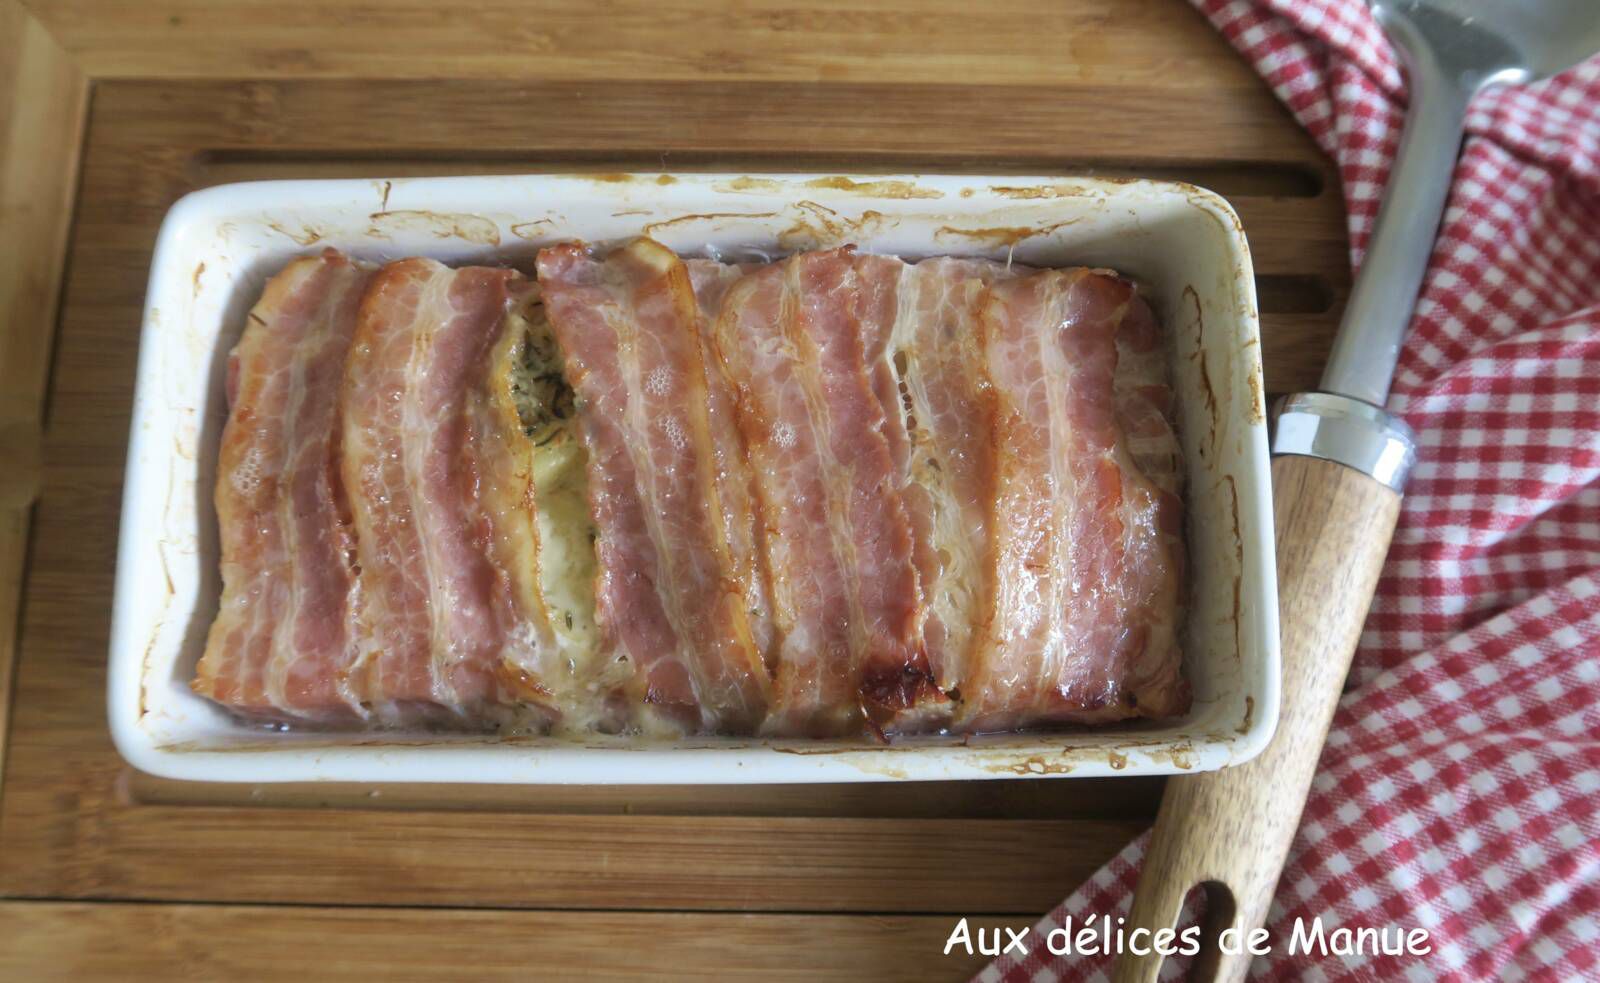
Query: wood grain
x,y
783,125
1114,42
84,943
1231,830
75,823
168,139
191,93
532,860
42,102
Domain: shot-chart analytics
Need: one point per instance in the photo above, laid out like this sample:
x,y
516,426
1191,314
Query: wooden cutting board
x,y
338,882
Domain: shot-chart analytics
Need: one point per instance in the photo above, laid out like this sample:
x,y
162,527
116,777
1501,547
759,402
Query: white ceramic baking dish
x,y
217,247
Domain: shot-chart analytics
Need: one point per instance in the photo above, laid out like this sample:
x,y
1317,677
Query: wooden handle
x,y
1230,830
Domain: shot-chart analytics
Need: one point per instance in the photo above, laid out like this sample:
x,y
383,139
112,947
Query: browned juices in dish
x,y
834,495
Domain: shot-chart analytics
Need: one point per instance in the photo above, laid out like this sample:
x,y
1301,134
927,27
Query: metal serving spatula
x,y
1340,465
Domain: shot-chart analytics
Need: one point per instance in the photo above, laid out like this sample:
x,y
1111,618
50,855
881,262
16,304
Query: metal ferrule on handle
x,y
1347,431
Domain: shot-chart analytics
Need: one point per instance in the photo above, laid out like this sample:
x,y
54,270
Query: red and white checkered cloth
x,y
1460,788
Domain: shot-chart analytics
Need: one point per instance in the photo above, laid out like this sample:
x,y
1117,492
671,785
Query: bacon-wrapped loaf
x,y
836,494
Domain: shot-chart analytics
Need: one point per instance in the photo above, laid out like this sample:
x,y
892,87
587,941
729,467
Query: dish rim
x,y
373,756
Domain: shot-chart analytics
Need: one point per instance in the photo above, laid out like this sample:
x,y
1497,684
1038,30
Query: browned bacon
x,y
282,641
881,281
446,628
669,594
838,543
1086,577
1145,410
935,354
735,483
832,494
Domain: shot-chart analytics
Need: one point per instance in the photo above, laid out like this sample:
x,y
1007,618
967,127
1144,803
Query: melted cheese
x,y
566,554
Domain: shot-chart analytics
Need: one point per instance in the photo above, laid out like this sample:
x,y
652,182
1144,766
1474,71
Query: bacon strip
x,y
445,609
881,283
1085,599
669,593
1145,407
735,483
838,543
281,643
936,357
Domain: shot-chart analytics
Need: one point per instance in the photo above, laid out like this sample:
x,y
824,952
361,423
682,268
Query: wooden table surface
x,y
112,111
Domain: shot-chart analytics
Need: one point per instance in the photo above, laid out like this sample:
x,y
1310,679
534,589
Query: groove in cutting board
x,y
779,121
1091,798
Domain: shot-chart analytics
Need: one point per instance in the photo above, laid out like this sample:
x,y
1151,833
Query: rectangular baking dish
x,y
216,248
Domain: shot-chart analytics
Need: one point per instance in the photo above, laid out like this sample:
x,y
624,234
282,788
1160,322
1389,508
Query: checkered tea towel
x,y
1459,791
